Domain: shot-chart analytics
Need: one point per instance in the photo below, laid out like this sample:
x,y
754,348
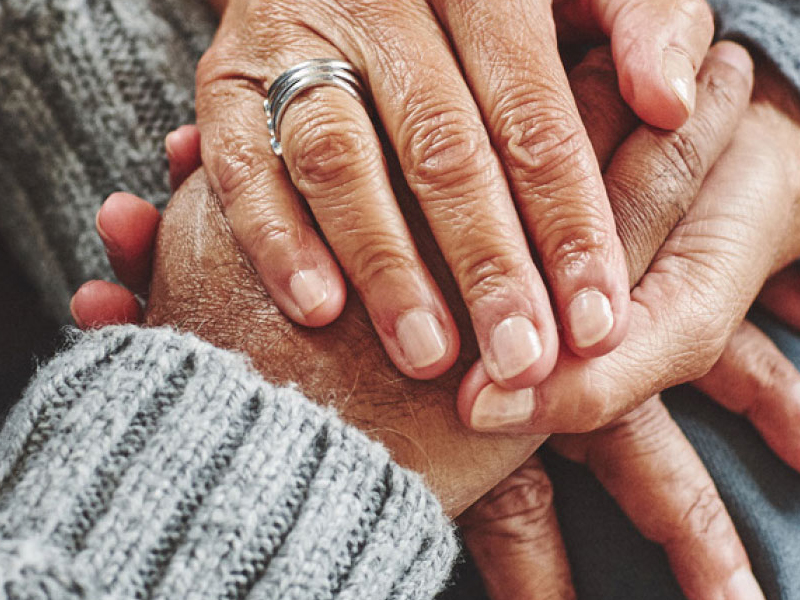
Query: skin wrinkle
x,y
428,455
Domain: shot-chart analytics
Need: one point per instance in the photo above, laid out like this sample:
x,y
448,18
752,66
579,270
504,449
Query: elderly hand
x,y
475,103
741,227
708,559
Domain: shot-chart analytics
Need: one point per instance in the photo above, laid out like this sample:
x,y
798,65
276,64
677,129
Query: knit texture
x,y
88,90
772,26
148,464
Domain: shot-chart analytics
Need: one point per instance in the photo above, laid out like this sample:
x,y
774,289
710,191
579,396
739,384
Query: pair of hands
x,y
479,112
202,282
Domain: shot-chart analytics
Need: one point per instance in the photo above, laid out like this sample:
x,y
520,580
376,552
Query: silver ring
x,y
306,75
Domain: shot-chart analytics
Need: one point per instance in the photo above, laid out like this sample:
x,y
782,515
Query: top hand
x,y
741,228
467,148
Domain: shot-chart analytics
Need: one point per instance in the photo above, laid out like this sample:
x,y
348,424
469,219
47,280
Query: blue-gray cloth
x,y
612,561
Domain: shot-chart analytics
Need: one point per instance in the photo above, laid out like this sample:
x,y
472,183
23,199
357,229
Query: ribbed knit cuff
x,y
773,27
148,464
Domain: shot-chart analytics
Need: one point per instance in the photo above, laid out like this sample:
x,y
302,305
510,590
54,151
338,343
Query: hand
x,y
718,551
468,145
512,531
742,227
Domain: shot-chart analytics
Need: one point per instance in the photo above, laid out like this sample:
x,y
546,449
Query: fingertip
x,y
183,143
596,322
662,94
426,342
183,153
658,49
100,303
484,406
126,223
522,351
317,295
76,308
735,56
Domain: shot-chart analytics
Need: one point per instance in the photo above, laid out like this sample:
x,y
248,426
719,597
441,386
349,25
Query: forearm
x,y
136,453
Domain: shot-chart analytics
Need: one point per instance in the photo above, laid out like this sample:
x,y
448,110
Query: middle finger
x,y
510,56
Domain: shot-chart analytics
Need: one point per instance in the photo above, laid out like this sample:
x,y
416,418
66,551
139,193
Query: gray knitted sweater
x,y
147,463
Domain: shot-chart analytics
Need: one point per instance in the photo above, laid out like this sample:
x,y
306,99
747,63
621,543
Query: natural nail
x,y
496,409
743,586
515,346
309,290
112,248
733,55
75,316
169,143
679,73
421,338
590,318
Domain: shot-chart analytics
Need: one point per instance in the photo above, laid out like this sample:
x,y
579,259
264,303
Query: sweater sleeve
x,y
772,26
146,463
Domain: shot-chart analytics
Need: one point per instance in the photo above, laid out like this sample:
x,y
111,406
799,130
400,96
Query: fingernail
x,y
169,143
590,318
497,409
743,586
515,346
679,73
309,290
75,317
733,55
112,248
421,338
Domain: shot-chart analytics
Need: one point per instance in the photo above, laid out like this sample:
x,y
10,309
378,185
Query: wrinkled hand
x,y
477,107
741,227
705,557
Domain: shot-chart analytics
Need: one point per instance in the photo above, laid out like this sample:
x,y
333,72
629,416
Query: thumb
x,y
658,47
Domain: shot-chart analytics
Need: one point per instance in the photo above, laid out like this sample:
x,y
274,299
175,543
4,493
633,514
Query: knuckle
x,y
518,504
330,151
487,270
206,66
539,138
569,244
444,149
377,261
727,88
683,155
706,517
646,208
767,373
237,170
268,234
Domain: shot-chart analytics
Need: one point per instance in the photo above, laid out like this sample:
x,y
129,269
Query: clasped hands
x,y
735,225
721,191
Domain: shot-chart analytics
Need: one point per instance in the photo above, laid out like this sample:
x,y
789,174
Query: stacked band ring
x,y
306,75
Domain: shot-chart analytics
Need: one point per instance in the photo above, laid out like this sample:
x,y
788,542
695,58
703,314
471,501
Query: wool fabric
x,y
149,464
